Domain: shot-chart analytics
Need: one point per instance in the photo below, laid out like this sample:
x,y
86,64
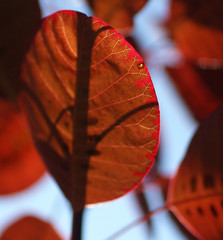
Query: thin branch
x,y
135,223
167,206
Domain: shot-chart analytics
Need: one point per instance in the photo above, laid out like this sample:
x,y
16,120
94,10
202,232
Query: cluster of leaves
x,y
94,114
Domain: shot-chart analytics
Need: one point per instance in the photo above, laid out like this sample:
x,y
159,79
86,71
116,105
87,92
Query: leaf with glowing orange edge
x,y
92,107
196,191
20,164
117,13
30,227
17,19
200,88
197,28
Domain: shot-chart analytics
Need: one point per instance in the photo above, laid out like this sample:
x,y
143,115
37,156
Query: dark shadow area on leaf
x,y
51,125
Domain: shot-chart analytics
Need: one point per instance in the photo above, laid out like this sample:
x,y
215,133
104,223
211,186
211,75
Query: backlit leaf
x,y
28,228
20,164
196,191
17,19
200,88
197,28
92,107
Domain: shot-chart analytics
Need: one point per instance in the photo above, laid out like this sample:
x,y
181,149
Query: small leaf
x,y
28,228
93,112
117,13
20,164
196,191
197,28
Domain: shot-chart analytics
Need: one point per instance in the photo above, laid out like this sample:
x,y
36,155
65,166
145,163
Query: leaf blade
x,y
122,108
196,191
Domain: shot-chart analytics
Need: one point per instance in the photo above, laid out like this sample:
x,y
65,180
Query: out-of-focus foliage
x,y
20,164
196,191
17,22
30,227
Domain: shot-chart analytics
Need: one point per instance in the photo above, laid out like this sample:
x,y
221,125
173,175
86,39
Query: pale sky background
x,y
45,200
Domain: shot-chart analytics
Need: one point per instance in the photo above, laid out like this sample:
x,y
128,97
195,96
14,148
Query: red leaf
x,y
28,228
92,107
20,165
200,88
197,28
196,191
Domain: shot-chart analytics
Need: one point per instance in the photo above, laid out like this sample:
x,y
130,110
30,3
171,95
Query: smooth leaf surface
x,y
200,88
20,164
197,28
92,107
30,227
17,19
196,191
118,13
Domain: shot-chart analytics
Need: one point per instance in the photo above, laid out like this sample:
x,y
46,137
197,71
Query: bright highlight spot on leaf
x,y
140,65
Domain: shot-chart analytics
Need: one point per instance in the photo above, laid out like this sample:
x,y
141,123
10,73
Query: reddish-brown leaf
x,y
117,13
200,88
197,28
196,191
28,228
17,20
92,107
20,164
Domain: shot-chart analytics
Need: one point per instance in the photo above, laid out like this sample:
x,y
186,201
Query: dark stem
x,y
82,149
77,225
144,207
80,157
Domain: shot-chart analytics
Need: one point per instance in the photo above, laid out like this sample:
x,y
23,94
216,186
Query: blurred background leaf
x,y
30,227
196,191
17,22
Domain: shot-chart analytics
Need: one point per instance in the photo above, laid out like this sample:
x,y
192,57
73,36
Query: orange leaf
x,y
92,107
196,191
28,228
20,164
197,28
117,13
